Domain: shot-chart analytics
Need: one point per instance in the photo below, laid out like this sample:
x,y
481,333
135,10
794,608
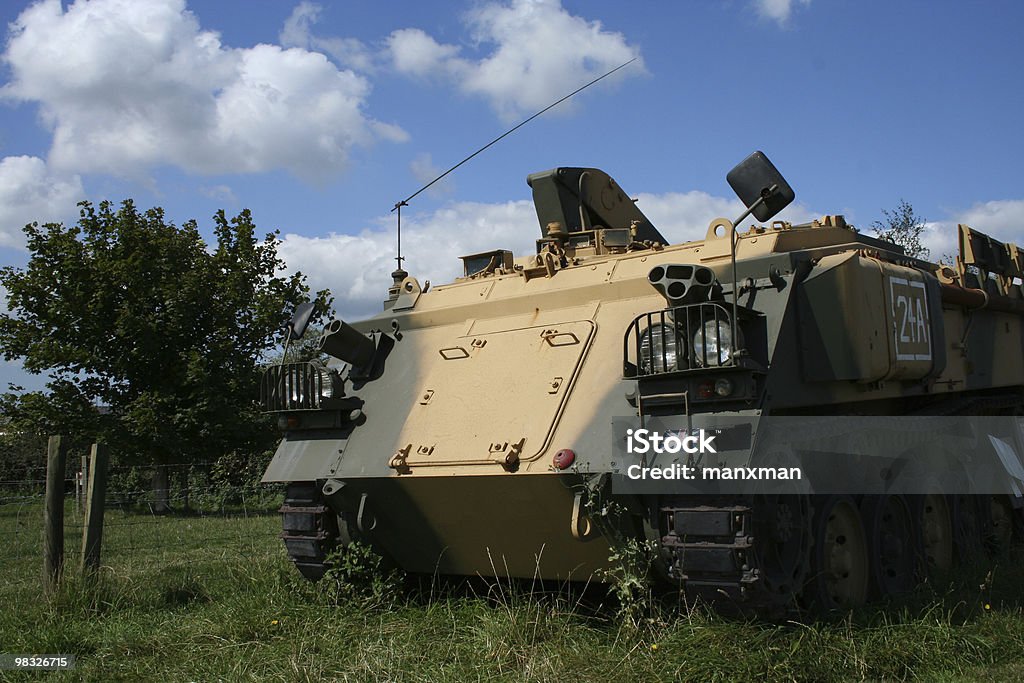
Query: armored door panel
x,y
493,399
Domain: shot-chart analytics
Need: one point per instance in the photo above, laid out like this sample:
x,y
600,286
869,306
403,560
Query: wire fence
x,y
191,509
138,484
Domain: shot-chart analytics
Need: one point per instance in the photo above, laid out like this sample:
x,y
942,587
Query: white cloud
x,y
30,192
685,216
357,268
778,10
415,53
349,52
1002,219
538,53
130,84
939,238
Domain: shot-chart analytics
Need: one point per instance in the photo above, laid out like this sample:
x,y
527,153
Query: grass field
x,y
214,598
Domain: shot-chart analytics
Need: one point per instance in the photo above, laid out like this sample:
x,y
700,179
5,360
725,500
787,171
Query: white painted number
x,y
910,319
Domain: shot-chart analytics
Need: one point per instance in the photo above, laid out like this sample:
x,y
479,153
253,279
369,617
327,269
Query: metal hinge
x,y
507,454
399,461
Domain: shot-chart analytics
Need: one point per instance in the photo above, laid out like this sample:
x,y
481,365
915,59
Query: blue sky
x,y
320,116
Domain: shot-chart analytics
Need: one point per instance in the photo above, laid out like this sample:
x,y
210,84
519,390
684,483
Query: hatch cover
x,y
493,398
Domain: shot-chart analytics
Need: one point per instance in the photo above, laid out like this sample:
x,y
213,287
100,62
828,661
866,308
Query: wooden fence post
x,y
95,499
53,512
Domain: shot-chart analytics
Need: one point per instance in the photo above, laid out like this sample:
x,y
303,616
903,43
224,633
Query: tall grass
x,y
172,604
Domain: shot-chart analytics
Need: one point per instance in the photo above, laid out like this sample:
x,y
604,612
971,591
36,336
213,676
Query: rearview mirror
x,y
753,179
300,319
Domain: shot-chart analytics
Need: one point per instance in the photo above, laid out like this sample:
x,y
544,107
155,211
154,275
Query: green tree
x,y
903,228
129,312
20,457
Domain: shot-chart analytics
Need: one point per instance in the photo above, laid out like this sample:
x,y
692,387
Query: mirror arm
x,y
287,342
765,194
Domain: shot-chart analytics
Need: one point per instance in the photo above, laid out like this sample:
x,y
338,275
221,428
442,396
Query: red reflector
x,y
564,459
705,390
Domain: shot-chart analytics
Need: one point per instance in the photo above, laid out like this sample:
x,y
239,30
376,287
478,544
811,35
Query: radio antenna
x,y
405,202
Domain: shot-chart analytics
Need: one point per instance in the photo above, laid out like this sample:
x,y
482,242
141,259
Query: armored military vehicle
x,y
477,427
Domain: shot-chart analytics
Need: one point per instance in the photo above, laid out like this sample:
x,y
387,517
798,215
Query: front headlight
x,y
712,343
326,384
659,350
294,388
308,387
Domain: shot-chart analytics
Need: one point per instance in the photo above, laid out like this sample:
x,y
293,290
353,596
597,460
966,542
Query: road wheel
x,y
781,542
892,540
935,524
999,531
840,567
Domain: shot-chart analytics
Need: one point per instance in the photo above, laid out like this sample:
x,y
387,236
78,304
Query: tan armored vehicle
x,y
481,427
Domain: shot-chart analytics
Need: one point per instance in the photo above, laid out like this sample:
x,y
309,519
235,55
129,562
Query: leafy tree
x,y
904,228
129,312
20,458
